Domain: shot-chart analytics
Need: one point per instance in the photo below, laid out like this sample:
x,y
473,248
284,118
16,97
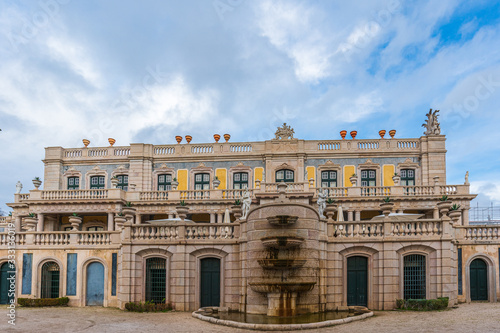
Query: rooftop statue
x,y
285,132
431,123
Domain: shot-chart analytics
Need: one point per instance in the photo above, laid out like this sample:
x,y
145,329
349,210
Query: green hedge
x,y
148,307
422,304
37,302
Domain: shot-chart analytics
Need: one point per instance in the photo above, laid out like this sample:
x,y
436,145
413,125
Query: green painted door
x,y
357,281
5,274
210,282
478,280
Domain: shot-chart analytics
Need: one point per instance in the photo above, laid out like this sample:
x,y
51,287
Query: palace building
x,y
319,223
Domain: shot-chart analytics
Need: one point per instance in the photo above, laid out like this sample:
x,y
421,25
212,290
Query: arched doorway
x,y
94,295
50,280
156,280
210,282
478,270
6,275
357,281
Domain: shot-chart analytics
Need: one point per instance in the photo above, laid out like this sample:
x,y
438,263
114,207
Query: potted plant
x,y
455,213
120,220
387,205
128,210
353,179
31,222
396,178
37,182
114,181
75,221
174,183
182,210
216,182
444,205
236,209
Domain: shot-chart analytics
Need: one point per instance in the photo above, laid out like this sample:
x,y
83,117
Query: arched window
x,y
73,183
329,179
202,181
240,180
414,277
164,182
156,280
50,280
284,175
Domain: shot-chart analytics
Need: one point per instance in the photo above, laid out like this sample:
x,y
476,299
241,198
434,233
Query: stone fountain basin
x,y
282,242
282,219
268,286
281,263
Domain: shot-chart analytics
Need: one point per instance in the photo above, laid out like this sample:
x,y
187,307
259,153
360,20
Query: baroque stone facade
x,y
183,240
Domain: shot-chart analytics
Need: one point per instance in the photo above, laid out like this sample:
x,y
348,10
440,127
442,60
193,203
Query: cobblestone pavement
x,y
467,318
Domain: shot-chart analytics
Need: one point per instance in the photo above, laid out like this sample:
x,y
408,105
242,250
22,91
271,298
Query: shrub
x,y
422,304
148,306
38,302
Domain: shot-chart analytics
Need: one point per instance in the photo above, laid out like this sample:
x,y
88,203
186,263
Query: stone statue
x,y
467,178
305,176
431,123
19,187
322,196
245,203
285,132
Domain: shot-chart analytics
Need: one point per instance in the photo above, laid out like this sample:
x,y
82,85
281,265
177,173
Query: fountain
x,y
282,253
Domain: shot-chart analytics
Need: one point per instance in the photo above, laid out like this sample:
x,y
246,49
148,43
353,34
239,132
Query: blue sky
x,y
147,71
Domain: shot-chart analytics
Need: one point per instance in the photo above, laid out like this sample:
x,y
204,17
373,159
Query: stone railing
x,y
96,153
291,187
153,196
363,229
195,195
185,232
375,191
5,219
74,194
482,232
235,194
64,238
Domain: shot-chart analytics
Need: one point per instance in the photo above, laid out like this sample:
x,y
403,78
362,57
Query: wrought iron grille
x,y
50,280
414,276
156,280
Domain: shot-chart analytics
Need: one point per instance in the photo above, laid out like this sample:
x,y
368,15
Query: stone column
x,y
349,215
219,217
212,217
138,218
111,222
18,223
170,215
357,215
40,224
435,214
465,216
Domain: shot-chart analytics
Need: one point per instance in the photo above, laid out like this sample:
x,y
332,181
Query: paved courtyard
x,y
468,318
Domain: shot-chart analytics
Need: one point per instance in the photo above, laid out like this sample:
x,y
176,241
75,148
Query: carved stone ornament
x,y
431,123
284,133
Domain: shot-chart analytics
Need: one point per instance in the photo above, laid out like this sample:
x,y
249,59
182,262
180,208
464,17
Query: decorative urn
x,y
174,184
37,182
237,212
343,134
392,133
353,179
396,179
111,142
387,207
86,142
381,133
189,138
178,138
75,221
227,137
182,211
444,207
114,182
216,137
30,222
353,134
216,182
120,221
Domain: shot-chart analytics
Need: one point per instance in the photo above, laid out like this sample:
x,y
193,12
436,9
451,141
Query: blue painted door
x,y
95,284
357,281
210,282
478,280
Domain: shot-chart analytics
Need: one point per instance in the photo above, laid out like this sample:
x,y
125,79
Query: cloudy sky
x,y
145,71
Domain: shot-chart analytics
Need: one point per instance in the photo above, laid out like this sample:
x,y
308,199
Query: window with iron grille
x,y
164,182
368,178
202,181
156,280
73,183
408,177
329,179
240,180
50,280
414,277
284,175
97,182
122,182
